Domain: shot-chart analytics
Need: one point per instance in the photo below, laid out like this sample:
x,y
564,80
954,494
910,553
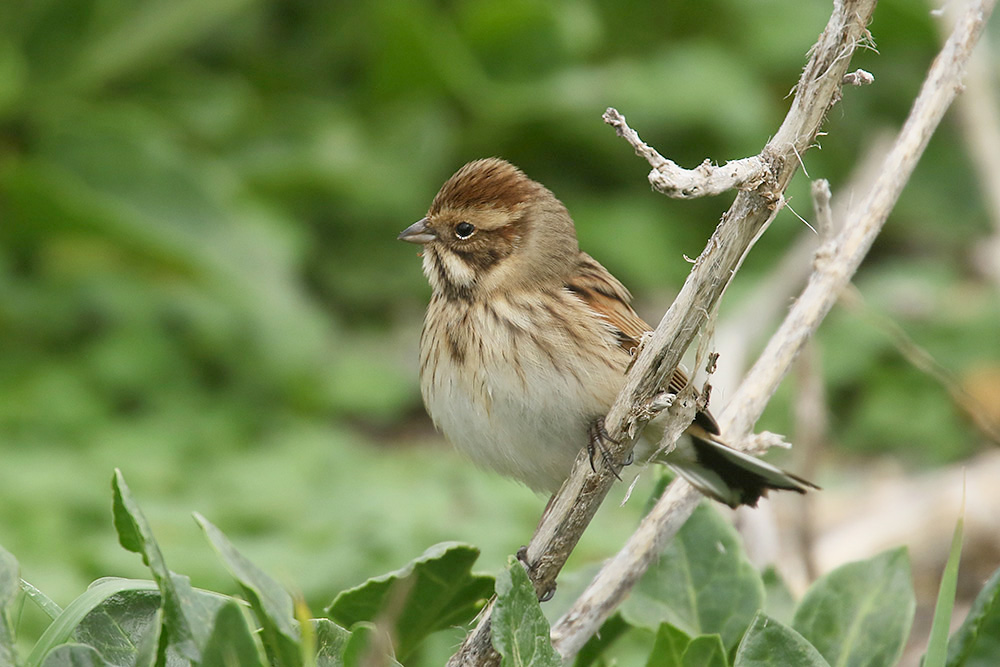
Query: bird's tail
x,y
730,476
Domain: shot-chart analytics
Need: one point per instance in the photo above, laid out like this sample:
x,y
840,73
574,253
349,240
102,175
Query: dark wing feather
x,y
607,297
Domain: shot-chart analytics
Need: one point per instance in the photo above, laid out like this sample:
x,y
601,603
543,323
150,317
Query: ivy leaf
x,y
860,613
75,655
770,643
432,592
270,602
520,631
231,641
703,583
976,643
705,651
669,647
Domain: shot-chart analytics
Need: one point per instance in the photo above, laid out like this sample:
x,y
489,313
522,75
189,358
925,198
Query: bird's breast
x,y
515,381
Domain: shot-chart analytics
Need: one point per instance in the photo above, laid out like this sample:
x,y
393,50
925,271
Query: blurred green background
x,y
200,282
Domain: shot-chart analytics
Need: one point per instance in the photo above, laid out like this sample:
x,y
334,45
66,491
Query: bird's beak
x,y
418,232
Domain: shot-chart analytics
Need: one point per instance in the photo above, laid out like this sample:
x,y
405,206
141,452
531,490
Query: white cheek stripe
x,y
459,273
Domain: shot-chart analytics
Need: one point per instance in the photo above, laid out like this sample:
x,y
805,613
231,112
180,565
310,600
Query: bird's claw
x,y
522,556
597,436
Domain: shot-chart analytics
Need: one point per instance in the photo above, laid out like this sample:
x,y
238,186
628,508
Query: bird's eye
x,y
463,230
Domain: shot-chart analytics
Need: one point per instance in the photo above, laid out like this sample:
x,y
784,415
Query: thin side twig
x,y
979,120
703,181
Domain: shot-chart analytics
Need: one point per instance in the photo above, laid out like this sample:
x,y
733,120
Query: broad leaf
x,y
860,614
331,640
669,647
61,630
520,631
977,642
705,651
120,624
75,655
435,591
770,643
270,602
118,617
367,645
703,582
231,641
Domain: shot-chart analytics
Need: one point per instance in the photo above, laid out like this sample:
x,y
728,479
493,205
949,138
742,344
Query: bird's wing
x,y
606,296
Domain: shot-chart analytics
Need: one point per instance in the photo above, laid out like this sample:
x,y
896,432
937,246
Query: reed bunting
x,y
527,339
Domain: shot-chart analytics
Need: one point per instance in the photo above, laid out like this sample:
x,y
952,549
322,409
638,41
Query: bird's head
x,y
492,228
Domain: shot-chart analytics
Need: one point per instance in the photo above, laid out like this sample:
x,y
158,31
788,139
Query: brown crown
x,y
488,183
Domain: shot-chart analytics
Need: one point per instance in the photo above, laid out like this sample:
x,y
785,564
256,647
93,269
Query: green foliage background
x,y
200,283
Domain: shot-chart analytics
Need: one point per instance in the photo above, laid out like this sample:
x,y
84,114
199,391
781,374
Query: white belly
x,y
519,407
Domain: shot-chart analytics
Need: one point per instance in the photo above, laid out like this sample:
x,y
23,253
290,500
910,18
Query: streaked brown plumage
x,y
527,339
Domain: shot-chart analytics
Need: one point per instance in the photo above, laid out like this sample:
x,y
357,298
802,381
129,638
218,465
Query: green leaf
x,y
770,643
186,619
435,591
121,623
778,600
937,643
120,618
366,645
331,640
703,582
669,647
705,651
270,602
860,614
520,631
129,520
976,643
75,655
153,648
231,641
62,628
9,578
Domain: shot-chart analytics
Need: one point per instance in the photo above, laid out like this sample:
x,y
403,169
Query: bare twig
x,y
859,77
758,527
810,435
704,180
822,209
757,314
811,423
572,508
939,89
860,230
979,120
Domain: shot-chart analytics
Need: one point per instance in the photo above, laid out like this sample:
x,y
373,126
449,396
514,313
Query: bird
x,y
527,339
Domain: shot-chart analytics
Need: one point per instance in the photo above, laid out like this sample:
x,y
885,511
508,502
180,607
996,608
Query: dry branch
x,y
572,508
830,277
